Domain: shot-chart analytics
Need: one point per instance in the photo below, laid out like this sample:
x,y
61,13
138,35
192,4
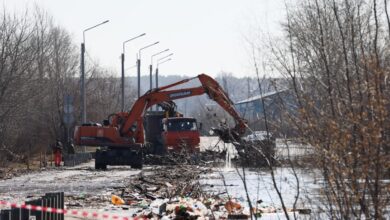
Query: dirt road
x,y
76,181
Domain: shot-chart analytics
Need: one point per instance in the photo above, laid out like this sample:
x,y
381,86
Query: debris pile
x,y
173,158
204,158
173,192
256,153
167,182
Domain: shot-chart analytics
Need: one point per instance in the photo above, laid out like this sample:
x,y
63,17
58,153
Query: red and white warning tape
x,y
95,215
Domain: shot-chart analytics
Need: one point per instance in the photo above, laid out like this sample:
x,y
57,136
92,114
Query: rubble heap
x,y
173,192
168,182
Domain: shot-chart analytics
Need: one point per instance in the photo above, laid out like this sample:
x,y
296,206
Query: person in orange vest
x,y
57,151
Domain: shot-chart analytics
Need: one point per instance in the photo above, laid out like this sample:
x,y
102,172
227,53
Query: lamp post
x,y
139,66
123,70
151,66
82,69
159,63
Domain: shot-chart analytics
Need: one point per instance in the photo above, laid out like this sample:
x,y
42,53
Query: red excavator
x,y
123,134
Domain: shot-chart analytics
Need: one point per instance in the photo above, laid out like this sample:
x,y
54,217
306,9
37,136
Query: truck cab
x,y
164,133
179,133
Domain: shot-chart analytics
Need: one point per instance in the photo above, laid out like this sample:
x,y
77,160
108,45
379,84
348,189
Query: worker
x,y
57,151
71,149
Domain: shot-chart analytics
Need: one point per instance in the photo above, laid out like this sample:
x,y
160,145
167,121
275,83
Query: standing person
x,y
71,149
57,151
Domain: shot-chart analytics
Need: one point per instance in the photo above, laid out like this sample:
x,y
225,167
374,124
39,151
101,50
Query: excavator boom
x,y
208,86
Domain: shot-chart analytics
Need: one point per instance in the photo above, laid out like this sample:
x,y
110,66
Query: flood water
x,y
228,181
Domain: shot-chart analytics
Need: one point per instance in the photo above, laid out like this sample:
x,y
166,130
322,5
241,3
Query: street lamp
x,y
151,66
82,69
123,70
139,66
158,62
164,61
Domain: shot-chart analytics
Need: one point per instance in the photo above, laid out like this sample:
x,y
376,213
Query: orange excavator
x,y
123,134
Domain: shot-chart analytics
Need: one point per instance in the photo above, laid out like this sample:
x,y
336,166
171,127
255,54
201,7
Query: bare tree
x,y
38,68
336,58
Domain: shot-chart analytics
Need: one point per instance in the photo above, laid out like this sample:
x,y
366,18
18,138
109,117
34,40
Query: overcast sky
x,y
204,35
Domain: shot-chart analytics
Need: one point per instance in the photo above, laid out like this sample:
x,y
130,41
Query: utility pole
x,y
82,75
159,62
83,100
157,77
151,66
139,66
157,82
123,82
123,70
151,76
139,76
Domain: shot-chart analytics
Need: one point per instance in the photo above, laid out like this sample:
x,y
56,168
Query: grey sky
x,y
204,35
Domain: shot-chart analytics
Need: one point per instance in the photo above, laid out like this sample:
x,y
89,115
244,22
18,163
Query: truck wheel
x,y
137,165
99,166
137,160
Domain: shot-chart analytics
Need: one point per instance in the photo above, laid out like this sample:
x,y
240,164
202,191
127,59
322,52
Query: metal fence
x,y
76,159
52,200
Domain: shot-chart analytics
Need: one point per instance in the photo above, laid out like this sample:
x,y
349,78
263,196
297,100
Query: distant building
x,y
252,108
275,103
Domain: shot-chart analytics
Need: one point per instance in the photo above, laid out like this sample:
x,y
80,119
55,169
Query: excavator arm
x,y
132,126
216,93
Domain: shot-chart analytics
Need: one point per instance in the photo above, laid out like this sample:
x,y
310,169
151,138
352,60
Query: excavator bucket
x,y
227,135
